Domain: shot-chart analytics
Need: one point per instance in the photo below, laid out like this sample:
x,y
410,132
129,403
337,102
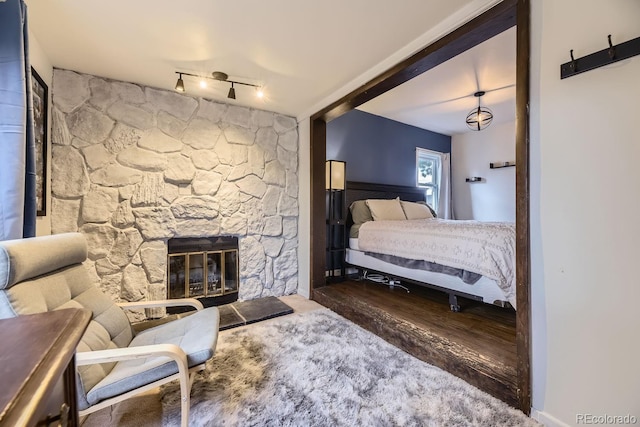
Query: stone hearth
x,y
134,166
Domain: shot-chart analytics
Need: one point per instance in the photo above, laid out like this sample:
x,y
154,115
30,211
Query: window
x,y
428,164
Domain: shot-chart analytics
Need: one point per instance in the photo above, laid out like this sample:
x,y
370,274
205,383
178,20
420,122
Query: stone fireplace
x,y
134,166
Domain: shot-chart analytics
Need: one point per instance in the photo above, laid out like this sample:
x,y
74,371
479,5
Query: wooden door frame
x,y
501,17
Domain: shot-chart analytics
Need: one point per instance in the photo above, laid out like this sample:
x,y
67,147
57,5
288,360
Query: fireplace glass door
x,y
202,274
230,271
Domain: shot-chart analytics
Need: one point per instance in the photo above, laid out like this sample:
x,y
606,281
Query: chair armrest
x,y
171,351
162,303
116,354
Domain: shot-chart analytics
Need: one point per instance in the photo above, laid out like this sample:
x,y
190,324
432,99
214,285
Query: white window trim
x,y
437,156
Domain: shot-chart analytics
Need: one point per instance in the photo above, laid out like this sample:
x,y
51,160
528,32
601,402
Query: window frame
x,y
436,157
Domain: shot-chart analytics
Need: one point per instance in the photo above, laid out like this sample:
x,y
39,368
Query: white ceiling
x,y
440,99
301,51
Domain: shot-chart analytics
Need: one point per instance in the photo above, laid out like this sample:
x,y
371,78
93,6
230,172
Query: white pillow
x,y
416,210
386,209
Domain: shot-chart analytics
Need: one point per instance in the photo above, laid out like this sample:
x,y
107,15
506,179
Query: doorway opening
x,y
501,17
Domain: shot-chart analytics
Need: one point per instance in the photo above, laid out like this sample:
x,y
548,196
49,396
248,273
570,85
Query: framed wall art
x,y
40,94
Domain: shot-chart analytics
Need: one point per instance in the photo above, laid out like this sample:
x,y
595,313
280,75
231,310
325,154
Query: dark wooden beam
x,y
476,31
523,267
318,203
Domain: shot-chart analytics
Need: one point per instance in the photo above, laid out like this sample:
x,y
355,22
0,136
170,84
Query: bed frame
x,y
363,190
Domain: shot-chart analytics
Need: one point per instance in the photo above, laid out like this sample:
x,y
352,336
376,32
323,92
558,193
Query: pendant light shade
x,y
481,117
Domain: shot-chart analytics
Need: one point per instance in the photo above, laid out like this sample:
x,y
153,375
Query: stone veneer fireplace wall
x,y
134,166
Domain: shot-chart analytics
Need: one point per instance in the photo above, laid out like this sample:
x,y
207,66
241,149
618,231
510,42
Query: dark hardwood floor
x,y
477,344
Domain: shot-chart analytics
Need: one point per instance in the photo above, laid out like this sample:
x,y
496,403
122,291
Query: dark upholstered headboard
x,y
367,190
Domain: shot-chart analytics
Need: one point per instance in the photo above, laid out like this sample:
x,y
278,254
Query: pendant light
x,y
481,117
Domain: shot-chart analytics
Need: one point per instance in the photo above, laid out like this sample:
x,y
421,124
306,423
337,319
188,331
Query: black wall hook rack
x,y
598,59
474,179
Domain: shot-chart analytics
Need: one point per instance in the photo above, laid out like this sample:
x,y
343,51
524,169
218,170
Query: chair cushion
x,y
186,333
45,274
24,259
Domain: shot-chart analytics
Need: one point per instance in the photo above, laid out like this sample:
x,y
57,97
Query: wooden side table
x,y
37,367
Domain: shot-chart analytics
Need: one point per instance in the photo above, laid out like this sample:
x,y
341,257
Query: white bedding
x,y
486,248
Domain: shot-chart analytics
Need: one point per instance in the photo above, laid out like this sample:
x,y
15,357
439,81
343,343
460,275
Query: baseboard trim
x,y
547,420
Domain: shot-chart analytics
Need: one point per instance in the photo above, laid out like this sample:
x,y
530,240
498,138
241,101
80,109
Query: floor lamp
x,y
336,218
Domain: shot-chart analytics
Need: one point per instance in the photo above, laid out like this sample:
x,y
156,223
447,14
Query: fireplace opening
x,y
205,268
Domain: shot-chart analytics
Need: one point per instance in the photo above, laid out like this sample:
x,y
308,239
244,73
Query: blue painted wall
x,y
379,150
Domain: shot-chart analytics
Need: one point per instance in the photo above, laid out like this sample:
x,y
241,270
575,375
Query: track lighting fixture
x,y
481,117
219,76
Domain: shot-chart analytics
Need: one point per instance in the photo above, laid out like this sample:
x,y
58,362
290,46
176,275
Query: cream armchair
x,y
113,363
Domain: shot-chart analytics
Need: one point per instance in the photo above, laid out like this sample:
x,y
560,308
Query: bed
x,y
470,259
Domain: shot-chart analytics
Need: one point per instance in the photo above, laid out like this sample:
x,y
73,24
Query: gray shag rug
x,y
319,369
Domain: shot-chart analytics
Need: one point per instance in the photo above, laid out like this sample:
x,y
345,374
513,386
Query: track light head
x,y
232,92
180,84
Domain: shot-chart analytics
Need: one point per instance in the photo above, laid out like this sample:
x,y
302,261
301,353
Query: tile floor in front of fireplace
x,y
147,405
241,313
